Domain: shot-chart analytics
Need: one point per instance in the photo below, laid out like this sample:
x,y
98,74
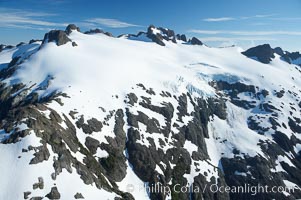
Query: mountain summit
x,y
149,116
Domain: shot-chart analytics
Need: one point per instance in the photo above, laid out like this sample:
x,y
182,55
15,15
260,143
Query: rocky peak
x,y
58,36
159,34
263,53
181,37
71,27
97,31
195,41
279,51
34,40
295,55
292,57
94,31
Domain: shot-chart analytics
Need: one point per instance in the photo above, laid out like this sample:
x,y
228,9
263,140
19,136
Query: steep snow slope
x,y
209,107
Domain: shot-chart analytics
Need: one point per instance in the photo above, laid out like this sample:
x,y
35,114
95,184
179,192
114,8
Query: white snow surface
x,y
101,67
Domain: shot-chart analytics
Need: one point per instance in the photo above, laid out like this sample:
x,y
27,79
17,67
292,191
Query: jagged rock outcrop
x,y
195,41
71,27
158,35
97,31
57,36
263,53
34,40
212,125
53,194
181,37
60,37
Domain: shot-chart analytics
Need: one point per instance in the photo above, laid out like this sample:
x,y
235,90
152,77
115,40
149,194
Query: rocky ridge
x,y
160,135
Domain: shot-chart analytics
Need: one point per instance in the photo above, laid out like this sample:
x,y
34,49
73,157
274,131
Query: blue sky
x,y
216,22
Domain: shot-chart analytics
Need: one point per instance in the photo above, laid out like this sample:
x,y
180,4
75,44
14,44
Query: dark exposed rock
x,y
265,93
155,37
264,53
283,141
94,31
74,44
57,36
40,155
291,57
268,107
20,44
92,144
182,37
280,93
34,40
235,88
274,123
132,99
71,27
78,196
97,31
14,61
279,51
39,184
253,124
115,163
259,172
54,193
200,182
2,47
26,195
36,198
294,126
195,41
92,125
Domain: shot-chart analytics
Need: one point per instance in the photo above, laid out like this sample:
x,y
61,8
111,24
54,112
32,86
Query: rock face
x,y
292,58
154,36
71,27
53,194
264,53
57,36
195,41
219,130
60,37
97,31
182,37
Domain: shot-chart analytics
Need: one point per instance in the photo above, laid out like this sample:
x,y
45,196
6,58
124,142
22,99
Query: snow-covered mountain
x,y
89,115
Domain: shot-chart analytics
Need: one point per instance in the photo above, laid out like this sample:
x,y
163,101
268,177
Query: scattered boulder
x,y
26,194
39,184
78,196
54,193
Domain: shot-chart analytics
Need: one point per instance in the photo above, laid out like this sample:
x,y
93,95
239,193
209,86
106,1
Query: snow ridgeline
x,y
155,91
